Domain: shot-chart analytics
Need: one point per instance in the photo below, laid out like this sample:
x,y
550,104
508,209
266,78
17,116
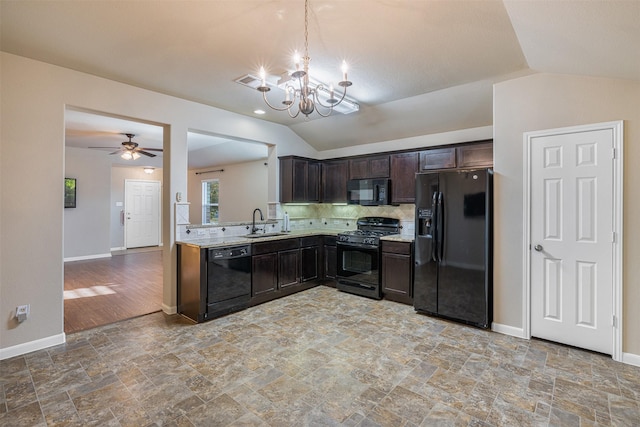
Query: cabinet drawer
x,y
305,242
401,248
275,246
329,240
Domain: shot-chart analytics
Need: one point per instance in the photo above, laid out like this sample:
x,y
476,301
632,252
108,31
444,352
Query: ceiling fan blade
x,y
151,149
116,152
104,148
145,153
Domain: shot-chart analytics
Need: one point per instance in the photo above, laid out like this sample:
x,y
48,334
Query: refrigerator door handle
x,y
440,226
434,229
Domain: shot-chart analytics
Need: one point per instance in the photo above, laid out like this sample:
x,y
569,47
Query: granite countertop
x,y
399,238
213,242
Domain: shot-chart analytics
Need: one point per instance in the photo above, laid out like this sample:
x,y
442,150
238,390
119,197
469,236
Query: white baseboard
x,y
82,258
508,330
631,359
28,347
169,309
121,248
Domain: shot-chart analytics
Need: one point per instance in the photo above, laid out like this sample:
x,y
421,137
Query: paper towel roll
x,y
285,223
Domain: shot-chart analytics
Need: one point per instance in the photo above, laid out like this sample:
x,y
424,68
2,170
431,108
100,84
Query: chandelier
x,y
302,92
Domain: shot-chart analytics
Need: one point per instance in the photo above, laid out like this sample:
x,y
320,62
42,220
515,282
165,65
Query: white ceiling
x,y
417,67
85,130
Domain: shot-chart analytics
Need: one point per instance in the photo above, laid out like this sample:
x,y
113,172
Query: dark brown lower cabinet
x,y
397,271
310,258
276,269
288,262
329,260
264,277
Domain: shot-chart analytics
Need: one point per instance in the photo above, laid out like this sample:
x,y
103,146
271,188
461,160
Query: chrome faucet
x,y
253,226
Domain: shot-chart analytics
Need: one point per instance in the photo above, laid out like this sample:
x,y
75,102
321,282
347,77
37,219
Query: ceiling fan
x,y
130,149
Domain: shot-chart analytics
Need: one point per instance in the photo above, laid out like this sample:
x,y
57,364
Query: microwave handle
x,y
377,192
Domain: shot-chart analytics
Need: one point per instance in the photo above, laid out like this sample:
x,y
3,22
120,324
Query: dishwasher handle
x,y
216,254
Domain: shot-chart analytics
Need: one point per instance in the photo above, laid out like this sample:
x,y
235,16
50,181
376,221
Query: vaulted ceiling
x,y
418,67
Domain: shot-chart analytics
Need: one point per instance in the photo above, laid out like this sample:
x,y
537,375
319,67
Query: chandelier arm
x,y
329,108
264,96
337,103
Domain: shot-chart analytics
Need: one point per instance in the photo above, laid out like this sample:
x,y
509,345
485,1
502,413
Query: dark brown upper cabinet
x,y
403,168
299,180
335,174
475,155
369,167
438,158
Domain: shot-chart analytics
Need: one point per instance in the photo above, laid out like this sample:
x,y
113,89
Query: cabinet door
x,y
439,158
300,180
309,263
396,277
288,265
475,155
330,262
313,182
286,180
379,167
334,181
403,177
359,168
264,277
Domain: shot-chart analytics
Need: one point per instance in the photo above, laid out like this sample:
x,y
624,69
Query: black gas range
x,y
359,256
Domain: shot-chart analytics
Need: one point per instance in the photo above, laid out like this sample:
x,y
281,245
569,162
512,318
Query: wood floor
x,y
107,290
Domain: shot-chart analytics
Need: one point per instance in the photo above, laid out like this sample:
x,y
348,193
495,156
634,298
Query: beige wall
x,y
243,187
33,102
547,101
86,227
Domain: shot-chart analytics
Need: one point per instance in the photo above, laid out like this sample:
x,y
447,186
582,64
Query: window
x,y
210,196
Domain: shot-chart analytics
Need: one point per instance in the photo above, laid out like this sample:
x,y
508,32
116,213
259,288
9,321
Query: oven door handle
x,y
357,245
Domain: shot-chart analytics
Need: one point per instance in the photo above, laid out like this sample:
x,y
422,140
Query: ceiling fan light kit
x,y
130,149
300,91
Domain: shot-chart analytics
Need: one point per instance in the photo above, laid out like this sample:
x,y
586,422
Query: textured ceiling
x,y
418,67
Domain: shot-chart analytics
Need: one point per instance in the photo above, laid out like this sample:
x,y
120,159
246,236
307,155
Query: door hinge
x,y
613,237
613,153
613,320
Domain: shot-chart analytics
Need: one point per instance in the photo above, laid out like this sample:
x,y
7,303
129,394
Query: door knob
x,y
538,248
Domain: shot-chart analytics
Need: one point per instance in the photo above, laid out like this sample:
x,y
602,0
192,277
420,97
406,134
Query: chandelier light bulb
x,y
296,60
344,68
263,76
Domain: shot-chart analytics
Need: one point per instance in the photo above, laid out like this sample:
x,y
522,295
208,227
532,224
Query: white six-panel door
x,y
142,213
572,237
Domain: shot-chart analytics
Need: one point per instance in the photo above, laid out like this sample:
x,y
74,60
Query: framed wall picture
x,y
69,192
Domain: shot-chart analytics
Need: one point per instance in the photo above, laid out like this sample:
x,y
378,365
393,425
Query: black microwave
x,y
369,192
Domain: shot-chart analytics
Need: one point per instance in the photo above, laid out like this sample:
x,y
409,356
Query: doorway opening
x,y
106,281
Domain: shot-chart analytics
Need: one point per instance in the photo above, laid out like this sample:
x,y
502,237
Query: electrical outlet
x,y
22,312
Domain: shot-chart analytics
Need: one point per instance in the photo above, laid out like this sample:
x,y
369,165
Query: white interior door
x,y
571,236
142,213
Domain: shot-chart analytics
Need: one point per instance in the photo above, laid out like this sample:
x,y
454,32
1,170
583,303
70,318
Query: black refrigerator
x,y
453,274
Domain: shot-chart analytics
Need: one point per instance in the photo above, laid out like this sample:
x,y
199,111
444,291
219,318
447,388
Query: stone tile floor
x,y
317,358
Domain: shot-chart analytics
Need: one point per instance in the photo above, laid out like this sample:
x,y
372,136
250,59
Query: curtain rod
x,y
217,170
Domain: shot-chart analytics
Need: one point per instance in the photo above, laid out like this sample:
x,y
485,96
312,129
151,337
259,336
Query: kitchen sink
x,y
259,235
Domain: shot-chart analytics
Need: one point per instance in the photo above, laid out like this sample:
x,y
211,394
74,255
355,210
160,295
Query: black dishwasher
x,y
228,279
213,282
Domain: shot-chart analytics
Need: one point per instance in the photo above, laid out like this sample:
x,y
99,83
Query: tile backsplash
x,y
304,217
